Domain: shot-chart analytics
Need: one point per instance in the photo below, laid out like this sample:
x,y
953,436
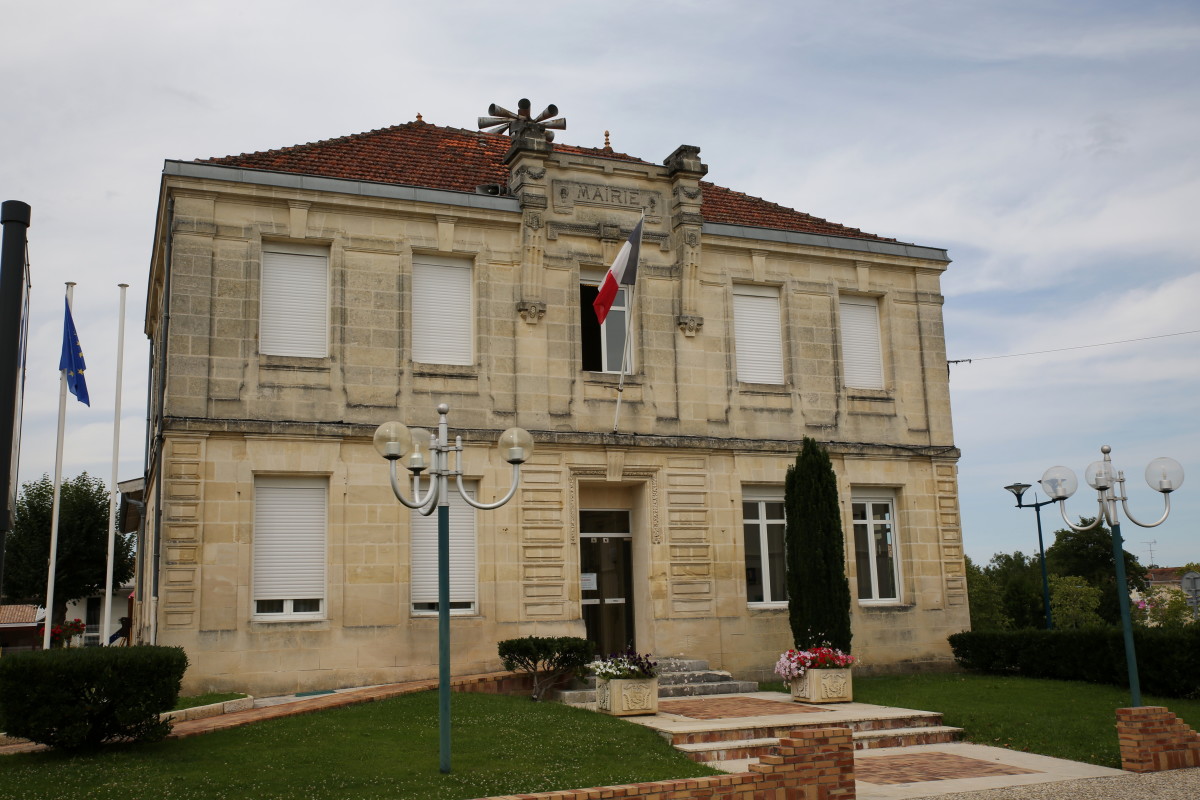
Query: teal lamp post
x,y
1018,490
393,441
1164,475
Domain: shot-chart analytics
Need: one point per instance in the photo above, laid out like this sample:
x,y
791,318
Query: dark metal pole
x,y
1037,507
443,513
1135,687
14,282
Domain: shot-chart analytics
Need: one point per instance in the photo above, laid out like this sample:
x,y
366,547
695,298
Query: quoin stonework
x,y
300,297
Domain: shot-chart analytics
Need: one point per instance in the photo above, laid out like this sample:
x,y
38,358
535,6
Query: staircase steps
x,y
678,677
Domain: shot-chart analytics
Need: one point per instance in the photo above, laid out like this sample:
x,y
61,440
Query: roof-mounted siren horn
x,y
500,124
551,111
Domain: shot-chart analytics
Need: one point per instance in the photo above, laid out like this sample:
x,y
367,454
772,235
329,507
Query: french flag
x,y
623,272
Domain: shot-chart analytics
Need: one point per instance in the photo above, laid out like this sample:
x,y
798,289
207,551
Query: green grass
x,y
206,699
501,745
1065,719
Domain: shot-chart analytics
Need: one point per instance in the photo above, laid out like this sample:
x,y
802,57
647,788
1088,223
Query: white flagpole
x,y
628,326
58,457
115,493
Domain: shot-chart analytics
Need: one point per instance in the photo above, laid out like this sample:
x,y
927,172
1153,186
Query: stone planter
x,y
626,697
823,686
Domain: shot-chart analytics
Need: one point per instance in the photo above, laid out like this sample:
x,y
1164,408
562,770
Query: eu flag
x,y
72,359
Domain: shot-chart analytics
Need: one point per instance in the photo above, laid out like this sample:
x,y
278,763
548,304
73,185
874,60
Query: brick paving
x,y
919,767
722,707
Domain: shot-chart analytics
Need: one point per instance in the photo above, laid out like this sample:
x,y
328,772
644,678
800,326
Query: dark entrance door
x,y
606,579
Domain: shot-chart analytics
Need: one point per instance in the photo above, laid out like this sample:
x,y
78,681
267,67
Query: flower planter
x,y
626,697
823,686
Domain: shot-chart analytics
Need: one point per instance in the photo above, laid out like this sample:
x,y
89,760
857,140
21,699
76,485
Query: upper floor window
x,y
763,525
876,551
294,301
758,343
443,323
289,547
603,345
862,357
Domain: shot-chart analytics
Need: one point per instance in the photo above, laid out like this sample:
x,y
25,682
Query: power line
x,y
1063,349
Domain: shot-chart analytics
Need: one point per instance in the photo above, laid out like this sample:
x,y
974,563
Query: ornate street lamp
x,y
1018,489
1163,475
394,442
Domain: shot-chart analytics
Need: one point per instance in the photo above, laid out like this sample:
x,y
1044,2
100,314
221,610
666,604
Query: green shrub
x,y
547,658
1166,657
79,698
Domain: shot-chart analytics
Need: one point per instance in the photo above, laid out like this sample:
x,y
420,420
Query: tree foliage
x,y
1089,555
1018,580
986,600
82,544
1074,602
818,590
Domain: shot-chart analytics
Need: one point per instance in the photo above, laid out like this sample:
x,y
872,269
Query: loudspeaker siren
x,y
500,111
559,124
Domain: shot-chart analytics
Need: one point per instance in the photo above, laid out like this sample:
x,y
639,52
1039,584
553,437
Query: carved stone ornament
x,y
690,194
533,221
531,311
534,173
689,324
626,697
692,238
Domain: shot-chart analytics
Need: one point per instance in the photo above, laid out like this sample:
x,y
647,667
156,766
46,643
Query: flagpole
x,y
113,495
628,327
58,457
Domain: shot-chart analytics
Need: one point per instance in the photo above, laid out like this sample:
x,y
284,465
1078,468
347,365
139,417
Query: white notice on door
x,y
587,581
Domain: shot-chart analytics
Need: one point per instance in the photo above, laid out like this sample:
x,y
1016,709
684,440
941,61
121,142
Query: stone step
x,y
740,749
915,720
674,678
579,697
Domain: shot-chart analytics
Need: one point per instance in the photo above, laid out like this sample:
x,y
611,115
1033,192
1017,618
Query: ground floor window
x,y
876,551
462,558
763,528
290,517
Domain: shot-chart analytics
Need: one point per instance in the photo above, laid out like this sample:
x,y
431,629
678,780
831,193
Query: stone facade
x,y
692,436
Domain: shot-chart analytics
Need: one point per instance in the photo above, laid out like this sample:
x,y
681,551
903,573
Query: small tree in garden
x,y
818,591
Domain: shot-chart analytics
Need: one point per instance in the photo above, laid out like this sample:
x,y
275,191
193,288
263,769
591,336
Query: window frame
x,y
265,541
757,344
424,528
587,316
862,342
871,498
442,334
761,496
283,328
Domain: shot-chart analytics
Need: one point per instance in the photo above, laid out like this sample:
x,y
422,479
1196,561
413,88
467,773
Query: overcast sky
x,y
1051,147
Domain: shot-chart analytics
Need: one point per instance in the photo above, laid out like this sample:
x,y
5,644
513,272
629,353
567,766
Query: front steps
x,y
678,677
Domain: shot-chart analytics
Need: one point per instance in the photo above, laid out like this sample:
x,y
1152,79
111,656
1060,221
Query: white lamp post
x,y
394,442
1163,475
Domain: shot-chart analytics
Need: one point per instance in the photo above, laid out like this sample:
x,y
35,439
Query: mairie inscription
x,y
567,194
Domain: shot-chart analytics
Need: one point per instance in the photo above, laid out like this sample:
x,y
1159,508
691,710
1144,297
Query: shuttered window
x,y
289,547
861,353
757,334
294,301
462,558
443,324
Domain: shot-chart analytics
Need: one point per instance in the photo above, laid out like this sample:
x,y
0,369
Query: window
x,y
603,345
294,301
443,323
424,548
876,552
861,352
756,334
763,526
289,548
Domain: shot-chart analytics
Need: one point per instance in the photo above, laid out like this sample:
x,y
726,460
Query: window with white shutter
x,y
862,357
424,548
443,323
289,547
757,334
294,301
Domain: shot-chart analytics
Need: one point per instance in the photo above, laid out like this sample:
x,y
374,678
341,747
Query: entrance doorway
x,y
606,578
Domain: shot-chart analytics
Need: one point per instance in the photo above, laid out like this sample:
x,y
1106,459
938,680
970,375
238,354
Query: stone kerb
x,y
809,764
1153,739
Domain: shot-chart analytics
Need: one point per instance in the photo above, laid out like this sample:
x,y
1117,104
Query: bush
x,y
552,657
1166,657
79,698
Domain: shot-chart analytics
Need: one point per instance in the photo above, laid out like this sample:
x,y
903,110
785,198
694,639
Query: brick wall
x,y
811,764
1153,739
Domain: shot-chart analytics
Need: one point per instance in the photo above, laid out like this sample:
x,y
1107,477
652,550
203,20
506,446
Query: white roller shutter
x,y
289,538
462,557
757,334
861,355
294,316
443,325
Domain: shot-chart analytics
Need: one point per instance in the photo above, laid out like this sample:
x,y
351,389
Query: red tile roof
x,y
18,615
434,157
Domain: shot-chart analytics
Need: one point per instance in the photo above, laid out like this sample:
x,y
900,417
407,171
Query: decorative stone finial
x,y
607,144
419,117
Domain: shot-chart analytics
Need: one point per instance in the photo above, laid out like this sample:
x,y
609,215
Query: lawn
x,y
501,745
1065,719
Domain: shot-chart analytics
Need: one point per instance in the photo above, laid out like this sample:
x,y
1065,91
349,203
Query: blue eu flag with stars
x,y
72,359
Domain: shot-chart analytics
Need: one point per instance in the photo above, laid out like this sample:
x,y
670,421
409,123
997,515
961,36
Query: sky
x,y
1049,146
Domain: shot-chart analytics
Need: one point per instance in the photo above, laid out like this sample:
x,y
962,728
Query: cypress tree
x,y
818,590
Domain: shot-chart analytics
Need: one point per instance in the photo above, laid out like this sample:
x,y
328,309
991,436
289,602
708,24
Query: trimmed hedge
x,y
551,657
79,698
1166,658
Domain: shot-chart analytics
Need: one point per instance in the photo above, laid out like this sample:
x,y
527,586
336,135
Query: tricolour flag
x,y
623,272
72,360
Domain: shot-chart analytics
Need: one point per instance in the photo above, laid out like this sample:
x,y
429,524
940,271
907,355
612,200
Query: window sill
x,y
885,605
291,619
433,615
465,371
294,363
763,388
610,378
768,607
